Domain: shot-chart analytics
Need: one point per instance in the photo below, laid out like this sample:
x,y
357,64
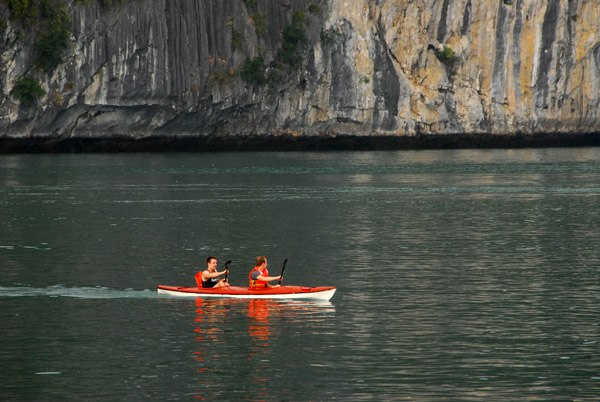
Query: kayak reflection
x,y
257,326
207,334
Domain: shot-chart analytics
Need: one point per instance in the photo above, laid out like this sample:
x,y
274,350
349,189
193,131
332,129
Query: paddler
x,y
209,277
259,276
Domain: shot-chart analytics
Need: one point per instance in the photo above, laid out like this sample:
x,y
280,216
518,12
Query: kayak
x,y
238,292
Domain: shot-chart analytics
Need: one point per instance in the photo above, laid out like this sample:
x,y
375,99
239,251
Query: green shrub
x,y
331,36
236,39
299,17
293,37
293,34
27,90
26,11
313,7
261,23
106,4
50,46
447,56
253,71
222,79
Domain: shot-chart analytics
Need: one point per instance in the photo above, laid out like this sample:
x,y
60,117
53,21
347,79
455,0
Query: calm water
x,y
461,275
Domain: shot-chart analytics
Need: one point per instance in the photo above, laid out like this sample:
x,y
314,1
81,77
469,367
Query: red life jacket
x,y
198,278
258,284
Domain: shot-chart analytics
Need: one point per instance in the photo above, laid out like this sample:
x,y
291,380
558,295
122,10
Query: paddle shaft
x,y
227,268
282,269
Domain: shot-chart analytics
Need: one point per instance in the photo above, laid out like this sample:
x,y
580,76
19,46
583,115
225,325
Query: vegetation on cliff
x,y
253,71
293,37
27,90
50,23
447,56
290,54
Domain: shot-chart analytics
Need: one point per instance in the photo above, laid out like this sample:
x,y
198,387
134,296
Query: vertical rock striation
x,y
367,67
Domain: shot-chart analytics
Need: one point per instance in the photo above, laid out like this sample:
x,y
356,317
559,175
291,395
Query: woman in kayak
x,y
209,277
259,276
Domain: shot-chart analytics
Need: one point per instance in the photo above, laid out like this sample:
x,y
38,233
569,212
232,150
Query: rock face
x,y
364,67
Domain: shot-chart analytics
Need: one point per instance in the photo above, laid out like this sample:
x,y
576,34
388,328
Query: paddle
x,y
227,269
282,269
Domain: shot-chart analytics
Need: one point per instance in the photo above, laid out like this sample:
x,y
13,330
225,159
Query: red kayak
x,y
238,292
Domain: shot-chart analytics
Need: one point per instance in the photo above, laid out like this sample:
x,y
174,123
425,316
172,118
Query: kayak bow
x,y
238,292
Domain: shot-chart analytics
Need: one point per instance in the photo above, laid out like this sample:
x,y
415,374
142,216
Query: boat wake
x,y
97,292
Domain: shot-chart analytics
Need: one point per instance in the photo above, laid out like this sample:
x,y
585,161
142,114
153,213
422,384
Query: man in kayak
x,y
209,277
259,276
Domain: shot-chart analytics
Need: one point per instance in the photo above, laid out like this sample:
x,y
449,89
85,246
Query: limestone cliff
x,y
363,67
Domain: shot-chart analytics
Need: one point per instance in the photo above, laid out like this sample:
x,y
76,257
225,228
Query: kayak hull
x,y
238,292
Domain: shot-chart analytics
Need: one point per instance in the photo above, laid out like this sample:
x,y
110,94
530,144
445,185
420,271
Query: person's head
x,y
211,262
260,260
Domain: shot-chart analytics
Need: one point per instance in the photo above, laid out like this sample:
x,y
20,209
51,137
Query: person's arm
x,y
267,278
207,274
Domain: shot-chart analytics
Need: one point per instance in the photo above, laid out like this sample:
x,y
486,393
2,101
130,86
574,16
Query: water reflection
x,y
207,334
258,329
243,334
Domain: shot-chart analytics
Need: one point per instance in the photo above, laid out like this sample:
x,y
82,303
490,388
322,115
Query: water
x,y
461,275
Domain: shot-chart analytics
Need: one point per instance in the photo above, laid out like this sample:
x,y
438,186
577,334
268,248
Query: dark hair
x,y
210,258
260,260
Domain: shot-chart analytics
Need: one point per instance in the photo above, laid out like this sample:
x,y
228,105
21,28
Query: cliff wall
x,y
361,67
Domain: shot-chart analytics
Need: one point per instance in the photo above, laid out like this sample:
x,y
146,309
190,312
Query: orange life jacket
x,y
258,284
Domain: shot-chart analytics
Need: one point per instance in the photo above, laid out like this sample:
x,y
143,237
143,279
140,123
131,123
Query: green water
x,y
462,275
